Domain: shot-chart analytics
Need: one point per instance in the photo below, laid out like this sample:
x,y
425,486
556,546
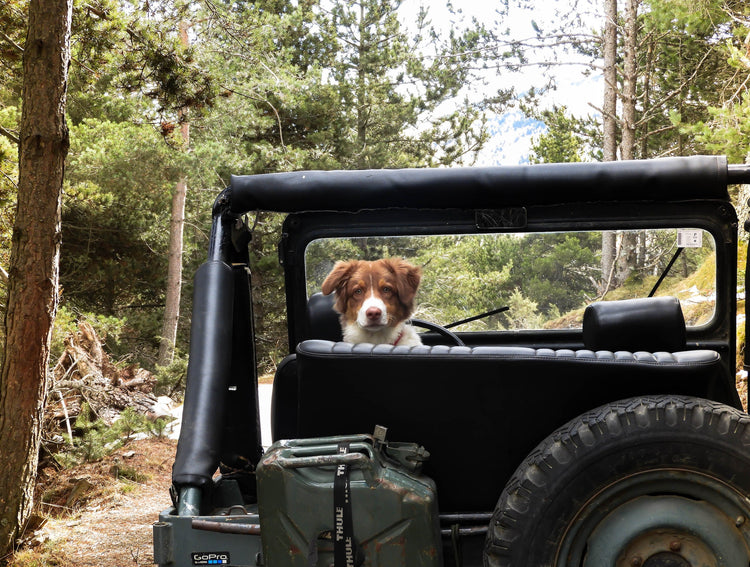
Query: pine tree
x,y
566,138
392,88
33,284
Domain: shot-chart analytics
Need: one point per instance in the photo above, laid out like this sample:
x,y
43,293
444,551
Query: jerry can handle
x,y
354,459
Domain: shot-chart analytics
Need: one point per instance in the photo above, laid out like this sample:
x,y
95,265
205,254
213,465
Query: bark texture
x,y
174,275
627,253
609,129
609,114
176,245
33,273
629,77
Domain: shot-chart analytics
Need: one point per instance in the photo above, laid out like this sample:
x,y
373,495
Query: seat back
x,y
322,321
479,411
650,324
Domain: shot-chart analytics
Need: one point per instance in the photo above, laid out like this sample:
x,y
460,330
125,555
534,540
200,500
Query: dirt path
x,y
100,514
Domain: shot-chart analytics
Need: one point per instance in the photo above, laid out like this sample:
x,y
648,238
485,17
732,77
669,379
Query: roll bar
x,y
665,179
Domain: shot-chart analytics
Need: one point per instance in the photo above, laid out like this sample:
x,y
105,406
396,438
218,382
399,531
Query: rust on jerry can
x,y
392,509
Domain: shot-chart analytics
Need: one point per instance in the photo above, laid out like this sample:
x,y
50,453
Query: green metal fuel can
x,y
347,501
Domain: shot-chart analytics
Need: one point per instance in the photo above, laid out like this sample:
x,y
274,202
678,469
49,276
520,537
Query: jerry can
x,y
347,501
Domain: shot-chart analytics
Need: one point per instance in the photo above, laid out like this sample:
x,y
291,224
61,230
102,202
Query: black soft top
x,y
666,179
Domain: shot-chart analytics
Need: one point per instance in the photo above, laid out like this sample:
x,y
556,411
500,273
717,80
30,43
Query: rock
x,y
80,488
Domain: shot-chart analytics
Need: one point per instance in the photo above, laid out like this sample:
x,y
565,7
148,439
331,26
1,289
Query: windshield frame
x,y
712,216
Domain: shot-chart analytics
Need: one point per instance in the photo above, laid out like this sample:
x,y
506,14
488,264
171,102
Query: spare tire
x,y
645,482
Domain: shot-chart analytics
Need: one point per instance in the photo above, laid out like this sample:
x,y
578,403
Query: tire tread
x,y
586,433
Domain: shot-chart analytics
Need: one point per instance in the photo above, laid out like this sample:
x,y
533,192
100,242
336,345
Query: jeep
x,y
574,402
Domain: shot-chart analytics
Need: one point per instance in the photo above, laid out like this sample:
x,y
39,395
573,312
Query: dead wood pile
x,y
84,373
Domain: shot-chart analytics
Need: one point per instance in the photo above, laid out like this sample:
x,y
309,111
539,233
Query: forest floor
x,y
101,514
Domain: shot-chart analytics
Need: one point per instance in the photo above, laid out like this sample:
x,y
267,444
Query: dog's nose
x,y
373,313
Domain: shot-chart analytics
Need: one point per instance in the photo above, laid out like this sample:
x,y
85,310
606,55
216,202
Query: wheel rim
x,y
660,518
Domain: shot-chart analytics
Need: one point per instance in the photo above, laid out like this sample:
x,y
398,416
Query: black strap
x,y
344,553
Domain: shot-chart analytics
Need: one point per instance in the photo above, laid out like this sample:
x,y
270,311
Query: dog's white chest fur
x,y
402,335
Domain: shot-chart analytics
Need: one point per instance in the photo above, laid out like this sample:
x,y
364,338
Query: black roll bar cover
x,y
664,179
199,445
738,174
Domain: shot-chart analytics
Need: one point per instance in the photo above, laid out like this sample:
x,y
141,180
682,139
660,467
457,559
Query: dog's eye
x,y
358,291
387,289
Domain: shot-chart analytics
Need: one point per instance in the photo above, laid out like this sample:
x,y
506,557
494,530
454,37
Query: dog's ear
x,y
336,281
408,277
338,277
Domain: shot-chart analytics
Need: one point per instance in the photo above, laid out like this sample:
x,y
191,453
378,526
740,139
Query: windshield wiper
x,y
666,271
476,317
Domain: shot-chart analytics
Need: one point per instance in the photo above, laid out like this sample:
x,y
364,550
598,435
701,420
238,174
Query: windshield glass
x,y
545,279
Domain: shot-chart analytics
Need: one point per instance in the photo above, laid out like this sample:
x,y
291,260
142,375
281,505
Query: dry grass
x,y
100,514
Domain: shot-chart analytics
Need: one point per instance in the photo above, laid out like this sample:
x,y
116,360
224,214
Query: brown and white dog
x,y
375,299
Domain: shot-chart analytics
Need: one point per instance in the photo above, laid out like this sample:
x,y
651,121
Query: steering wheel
x,y
442,331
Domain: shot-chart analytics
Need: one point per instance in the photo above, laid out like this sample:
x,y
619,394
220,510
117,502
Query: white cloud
x,y
512,135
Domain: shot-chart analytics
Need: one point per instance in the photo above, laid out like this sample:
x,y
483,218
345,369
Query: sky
x,y
513,133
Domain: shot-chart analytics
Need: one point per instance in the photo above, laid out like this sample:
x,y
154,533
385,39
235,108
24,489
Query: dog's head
x,y
373,294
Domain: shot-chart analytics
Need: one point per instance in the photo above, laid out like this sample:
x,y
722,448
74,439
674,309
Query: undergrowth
x,y
94,439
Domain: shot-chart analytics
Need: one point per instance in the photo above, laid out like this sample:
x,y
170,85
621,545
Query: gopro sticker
x,y
210,558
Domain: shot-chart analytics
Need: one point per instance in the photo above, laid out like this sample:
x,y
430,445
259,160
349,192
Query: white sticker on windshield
x,y
689,238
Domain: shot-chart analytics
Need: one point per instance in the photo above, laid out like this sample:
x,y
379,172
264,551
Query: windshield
x,y
545,279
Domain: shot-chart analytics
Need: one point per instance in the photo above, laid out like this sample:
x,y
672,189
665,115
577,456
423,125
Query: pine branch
x,y
13,44
10,135
10,180
648,115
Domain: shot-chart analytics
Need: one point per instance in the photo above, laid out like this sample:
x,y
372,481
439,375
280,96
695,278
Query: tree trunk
x,y
609,128
630,71
609,114
627,256
174,275
176,233
646,97
33,284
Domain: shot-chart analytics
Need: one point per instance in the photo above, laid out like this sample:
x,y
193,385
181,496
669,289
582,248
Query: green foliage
x,y
727,131
171,379
114,226
523,313
13,24
115,232
129,423
390,88
481,272
725,127
567,138
121,47
683,72
9,119
159,427
94,439
108,329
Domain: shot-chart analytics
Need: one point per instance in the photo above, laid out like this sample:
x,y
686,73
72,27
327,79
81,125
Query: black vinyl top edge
x,y
666,179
